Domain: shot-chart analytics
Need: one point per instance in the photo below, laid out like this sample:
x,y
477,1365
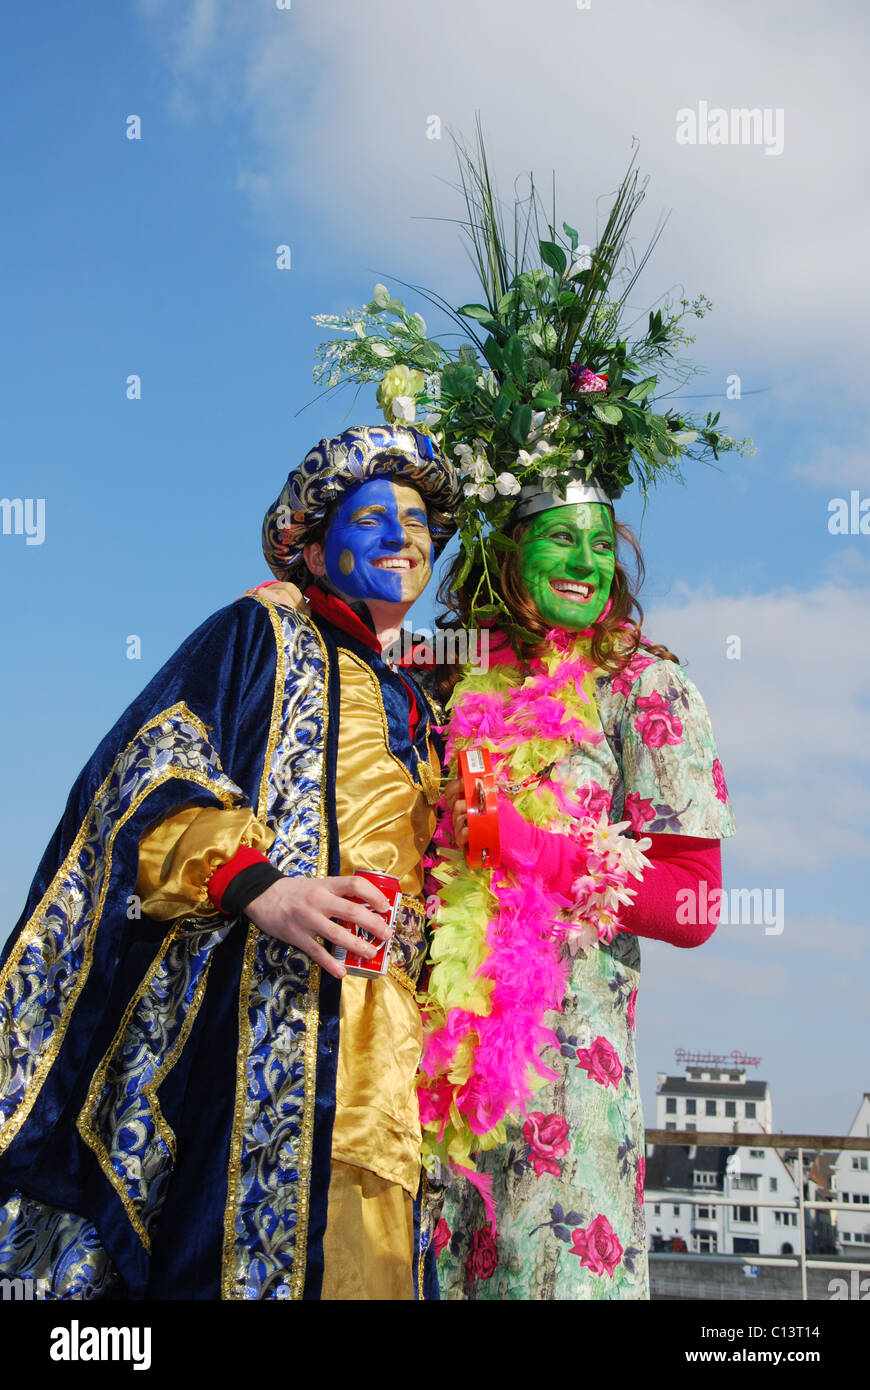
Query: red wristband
x,y
221,879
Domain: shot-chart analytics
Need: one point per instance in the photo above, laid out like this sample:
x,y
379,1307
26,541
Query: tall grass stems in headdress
x,y
553,380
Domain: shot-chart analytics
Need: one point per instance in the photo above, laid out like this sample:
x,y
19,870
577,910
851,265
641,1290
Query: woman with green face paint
x,y
611,805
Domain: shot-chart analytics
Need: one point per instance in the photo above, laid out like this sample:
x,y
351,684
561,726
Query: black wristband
x,y
248,885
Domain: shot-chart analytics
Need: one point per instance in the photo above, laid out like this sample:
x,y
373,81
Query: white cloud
x,y
336,97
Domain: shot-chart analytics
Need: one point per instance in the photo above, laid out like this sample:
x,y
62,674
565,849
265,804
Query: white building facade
x,y
851,1183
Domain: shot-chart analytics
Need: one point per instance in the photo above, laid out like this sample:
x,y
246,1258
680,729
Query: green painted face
x,y
567,560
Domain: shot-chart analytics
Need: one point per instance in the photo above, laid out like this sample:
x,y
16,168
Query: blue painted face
x,y
378,544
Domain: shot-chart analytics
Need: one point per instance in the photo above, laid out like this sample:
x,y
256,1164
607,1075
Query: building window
x,y
750,1110
847,1235
745,1214
730,1108
747,1183
676,1211
773,1184
704,1214
690,1124
745,1245
670,1124
670,1106
859,1161
657,1210
756,1153
709,1107
785,1218
707,1244
692,1109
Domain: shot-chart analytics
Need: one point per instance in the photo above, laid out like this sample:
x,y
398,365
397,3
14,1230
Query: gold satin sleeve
x,y
178,857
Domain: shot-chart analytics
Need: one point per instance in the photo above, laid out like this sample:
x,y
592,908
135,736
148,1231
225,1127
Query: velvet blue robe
x,y
167,1091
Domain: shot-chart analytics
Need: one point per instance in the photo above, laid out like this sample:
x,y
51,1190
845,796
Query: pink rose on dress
x,y
625,679
598,1246
601,1061
593,799
656,725
632,1005
482,1259
639,810
719,781
547,1138
639,1177
441,1236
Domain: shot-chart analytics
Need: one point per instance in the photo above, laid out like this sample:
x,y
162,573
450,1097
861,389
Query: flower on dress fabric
x,y
547,1138
640,1176
719,781
593,799
639,810
655,724
441,1236
598,1246
601,1061
632,1005
482,1259
625,679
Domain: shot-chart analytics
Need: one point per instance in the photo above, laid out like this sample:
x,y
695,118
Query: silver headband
x,y
533,498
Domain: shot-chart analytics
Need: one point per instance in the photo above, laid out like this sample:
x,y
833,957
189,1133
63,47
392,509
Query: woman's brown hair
x,y
616,637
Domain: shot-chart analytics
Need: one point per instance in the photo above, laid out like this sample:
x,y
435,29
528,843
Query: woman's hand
x,y
456,804
298,910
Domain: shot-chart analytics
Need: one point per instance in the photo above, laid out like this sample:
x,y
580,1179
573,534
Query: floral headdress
x,y
550,387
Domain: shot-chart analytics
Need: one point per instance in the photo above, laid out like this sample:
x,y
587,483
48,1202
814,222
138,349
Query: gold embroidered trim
x,y
277,703
30,932
235,1159
84,1123
312,1028
312,1014
424,1194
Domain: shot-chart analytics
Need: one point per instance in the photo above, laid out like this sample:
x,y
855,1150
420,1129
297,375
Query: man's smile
x,y
395,562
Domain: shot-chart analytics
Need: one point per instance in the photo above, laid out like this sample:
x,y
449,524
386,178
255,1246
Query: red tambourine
x,y
483,850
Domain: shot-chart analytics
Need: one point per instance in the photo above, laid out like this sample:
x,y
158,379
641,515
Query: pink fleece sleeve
x,y
677,863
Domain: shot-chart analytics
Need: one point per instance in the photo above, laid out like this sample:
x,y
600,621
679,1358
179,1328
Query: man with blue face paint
x,y
239,1116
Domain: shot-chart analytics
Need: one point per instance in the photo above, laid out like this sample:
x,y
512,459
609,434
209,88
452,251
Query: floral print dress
x,y
568,1183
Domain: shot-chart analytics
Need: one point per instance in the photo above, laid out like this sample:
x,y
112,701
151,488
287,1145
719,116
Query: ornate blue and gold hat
x,y
335,465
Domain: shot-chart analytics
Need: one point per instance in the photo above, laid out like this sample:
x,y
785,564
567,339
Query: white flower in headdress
x,y
485,491
507,484
404,408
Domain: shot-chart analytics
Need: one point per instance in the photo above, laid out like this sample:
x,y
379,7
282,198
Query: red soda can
x,y
376,965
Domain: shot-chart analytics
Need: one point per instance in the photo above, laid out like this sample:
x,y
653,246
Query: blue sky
x,y
306,127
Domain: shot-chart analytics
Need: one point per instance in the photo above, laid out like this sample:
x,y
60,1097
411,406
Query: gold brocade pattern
x,y
61,1253
51,960
179,856
266,1220
121,1119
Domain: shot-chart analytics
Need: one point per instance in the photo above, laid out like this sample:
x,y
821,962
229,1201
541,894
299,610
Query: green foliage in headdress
x,y
550,379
